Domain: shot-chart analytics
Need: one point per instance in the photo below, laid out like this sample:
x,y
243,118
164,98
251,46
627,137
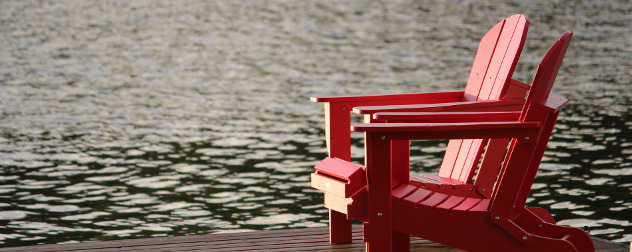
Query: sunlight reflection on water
x,y
142,119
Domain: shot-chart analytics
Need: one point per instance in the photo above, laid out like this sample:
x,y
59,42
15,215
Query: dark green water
x,y
129,119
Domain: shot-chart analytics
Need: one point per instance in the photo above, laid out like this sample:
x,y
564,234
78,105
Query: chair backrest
x,y
494,63
523,159
548,69
496,59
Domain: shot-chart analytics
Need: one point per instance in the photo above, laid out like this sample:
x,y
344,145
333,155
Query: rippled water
x,y
127,119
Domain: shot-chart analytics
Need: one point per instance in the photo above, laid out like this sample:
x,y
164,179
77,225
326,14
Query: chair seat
x,y
437,183
417,197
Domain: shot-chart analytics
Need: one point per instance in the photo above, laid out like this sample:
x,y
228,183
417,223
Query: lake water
x,y
129,119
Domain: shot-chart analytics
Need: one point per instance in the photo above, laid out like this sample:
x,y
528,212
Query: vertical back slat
x,y
464,152
481,62
477,75
494,63
510,60
504,40
476,150
451,154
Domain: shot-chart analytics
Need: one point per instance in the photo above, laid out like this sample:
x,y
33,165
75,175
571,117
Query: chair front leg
x,y
378,230
339,227
338,138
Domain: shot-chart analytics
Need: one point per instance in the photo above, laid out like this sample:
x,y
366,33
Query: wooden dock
x,y
308,239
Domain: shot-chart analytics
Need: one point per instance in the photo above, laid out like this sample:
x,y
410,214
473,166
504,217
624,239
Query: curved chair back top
x,y
496,59
548,69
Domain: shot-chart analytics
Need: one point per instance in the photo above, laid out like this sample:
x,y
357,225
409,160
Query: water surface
x,y
129,119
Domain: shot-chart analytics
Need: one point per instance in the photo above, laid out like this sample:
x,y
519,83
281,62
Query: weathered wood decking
x,y
308,239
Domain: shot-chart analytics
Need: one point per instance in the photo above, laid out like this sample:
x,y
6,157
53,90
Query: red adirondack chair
x,y
396,208
489,88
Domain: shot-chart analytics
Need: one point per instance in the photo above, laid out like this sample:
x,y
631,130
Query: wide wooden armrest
x,y
494,105
526,131
393,99
446,117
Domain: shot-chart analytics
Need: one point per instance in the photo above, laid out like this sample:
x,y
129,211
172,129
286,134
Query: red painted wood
x,y
469,232
510,60
337,135
462,190
541,214
402,191
337,119
448,207
329,185
442,117
500,223
481,62
471,161
516,90
354,207
423,182
339,227
343,170
480,209
549,67
531,171
447,128
338,203
457,149
507,49
450,157
450,203
358,208
416,197
368,100
434,200
338,177
401,241
400,153
511,228
543,82
490,166
503,62
378,234
503,105
555,102
465,205
442,180
522,172
496,61
338,140
459,164
462,228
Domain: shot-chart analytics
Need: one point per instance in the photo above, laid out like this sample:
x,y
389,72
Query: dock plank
x,y
307,239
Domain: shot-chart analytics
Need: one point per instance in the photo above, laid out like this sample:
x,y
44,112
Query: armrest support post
x,y
337,134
